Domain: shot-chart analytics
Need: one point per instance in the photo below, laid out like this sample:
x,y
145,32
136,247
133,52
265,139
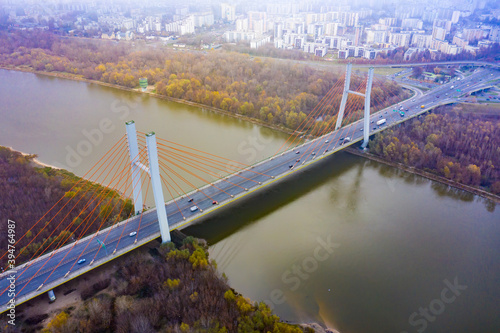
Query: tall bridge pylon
x,y
366,95
154,173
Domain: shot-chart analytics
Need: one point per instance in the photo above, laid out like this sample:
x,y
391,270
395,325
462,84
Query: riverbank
x,y
425,174
68,76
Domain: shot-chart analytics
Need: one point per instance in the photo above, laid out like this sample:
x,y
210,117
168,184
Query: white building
x,y
228,12
411,23
438,33
295,40
421,40
242,24
400,39
316,49
181,27
455,16
236,36
203,19
331,29
278,30
376,37
259,41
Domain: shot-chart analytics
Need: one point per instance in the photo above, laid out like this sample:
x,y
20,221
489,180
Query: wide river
x,y
352,244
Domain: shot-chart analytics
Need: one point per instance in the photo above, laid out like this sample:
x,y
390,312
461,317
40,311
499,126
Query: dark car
x,y
190,200
290,166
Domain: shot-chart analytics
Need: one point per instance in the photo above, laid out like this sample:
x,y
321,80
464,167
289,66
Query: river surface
x,y
350,243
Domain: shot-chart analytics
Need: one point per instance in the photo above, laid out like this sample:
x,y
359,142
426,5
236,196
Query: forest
x,y
28,192
168,289
276,92
449,142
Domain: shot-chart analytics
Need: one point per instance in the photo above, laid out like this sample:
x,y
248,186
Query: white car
x,y
326,141
194,208
133,233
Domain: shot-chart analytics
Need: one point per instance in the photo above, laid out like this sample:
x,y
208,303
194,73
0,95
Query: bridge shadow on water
x,y
249,209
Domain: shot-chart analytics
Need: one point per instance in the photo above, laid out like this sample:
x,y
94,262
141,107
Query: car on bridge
x,y
81,261
194,208
132,234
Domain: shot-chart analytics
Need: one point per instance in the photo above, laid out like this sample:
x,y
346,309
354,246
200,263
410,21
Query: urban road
x,y
56,268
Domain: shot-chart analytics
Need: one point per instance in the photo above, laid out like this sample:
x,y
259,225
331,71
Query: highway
x,y
60,266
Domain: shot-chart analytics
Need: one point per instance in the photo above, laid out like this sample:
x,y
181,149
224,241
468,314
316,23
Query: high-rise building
x,y
376,36
228,12
257,21
421,41
331,29
472,34
455,16
358,33
278,30
438,33
412,24
400,39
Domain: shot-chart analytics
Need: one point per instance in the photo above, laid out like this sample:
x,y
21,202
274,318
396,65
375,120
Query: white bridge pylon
x,y
154,173
366,95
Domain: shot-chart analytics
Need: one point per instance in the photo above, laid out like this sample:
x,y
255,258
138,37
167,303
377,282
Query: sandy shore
x,y
35,160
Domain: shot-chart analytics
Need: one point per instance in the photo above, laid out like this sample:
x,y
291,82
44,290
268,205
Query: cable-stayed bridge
x,y
138,166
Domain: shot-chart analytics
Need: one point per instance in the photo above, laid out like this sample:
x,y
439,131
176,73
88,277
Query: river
x,y
352,244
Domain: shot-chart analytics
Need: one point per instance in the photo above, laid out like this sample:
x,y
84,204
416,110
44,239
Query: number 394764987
x,y
11,235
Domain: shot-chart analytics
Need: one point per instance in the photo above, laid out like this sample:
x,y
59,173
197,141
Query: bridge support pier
x,y
347,83
154,172
134,161
366,122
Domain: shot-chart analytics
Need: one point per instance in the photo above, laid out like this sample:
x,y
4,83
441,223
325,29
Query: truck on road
x,y
381,121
